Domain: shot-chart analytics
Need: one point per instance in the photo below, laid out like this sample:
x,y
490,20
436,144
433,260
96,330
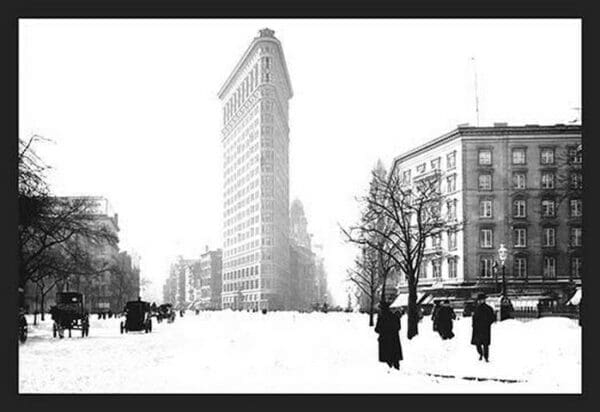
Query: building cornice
x,y
472,132
257,40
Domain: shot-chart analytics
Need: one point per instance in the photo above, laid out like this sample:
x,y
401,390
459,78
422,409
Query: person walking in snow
x,y
434,313
483,317
388,326
444,318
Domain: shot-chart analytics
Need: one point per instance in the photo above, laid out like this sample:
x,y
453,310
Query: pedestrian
x,y
483,317
434,314
444,318
388,326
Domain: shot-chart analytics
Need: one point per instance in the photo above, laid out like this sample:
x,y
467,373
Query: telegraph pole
x,y
476,91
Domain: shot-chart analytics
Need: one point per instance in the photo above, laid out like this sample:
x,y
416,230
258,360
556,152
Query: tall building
x,y
299,225
255,139
520,186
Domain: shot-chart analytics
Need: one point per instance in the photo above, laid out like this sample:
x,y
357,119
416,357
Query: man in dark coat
x,y
434,313
483,317
444,318
388,326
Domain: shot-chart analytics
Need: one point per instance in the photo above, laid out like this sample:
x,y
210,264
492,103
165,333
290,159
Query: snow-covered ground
x,y
286,352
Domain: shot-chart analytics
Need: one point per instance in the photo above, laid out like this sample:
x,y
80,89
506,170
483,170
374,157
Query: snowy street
x,y
286,352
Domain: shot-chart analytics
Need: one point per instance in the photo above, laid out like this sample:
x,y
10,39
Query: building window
x,y
436,266
520,267
451,160
520,208
485,182
406,177
519,181
485,157
576,207
549,238
486,238
520,237
576,180
452,268
451,183
576,236
518,156
421,168
485,267
451,210
547,180
435,163
575,155
576,263
548,208
547,156
436,240
451,239
549,267
485,208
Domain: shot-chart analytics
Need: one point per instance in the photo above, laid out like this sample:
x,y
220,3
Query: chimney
x,y
206,248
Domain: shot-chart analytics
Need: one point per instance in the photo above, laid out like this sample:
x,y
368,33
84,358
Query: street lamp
x,y
505,305
502,253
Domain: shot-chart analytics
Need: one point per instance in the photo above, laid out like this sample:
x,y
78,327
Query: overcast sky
x,y
132,109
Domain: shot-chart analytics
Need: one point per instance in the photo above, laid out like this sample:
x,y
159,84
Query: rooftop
x,y
498,129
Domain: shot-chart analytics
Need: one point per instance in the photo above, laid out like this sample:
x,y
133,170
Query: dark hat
x,y
481,296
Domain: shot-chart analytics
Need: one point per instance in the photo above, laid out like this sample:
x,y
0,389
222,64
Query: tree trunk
x,y
36,310
413,318
42,305
371,308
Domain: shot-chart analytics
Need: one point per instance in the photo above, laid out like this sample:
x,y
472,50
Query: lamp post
x,y
505,305
502,253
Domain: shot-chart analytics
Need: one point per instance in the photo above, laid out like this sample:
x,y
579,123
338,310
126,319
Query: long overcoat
x,y
388,326
444,319
483,317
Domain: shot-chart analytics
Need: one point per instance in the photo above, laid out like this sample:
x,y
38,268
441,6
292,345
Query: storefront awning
x,y
402,300
576,299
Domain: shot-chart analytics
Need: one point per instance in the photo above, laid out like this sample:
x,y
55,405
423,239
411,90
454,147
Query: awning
x,y
576,298
427,300
402,300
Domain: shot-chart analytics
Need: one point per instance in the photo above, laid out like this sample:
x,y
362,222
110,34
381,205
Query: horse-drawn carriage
x,y
137,317
69,313
165,311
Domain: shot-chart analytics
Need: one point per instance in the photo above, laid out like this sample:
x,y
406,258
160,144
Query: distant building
x,y
209,286
96,288
256,178
125,283
520,186
303,282
299,225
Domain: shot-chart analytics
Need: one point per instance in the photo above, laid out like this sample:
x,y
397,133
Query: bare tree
x,y
400,218
58,237
365,276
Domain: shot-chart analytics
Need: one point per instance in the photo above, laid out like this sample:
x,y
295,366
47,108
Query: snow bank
x,y
281,352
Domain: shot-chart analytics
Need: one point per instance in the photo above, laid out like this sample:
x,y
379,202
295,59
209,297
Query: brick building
x,y
520,186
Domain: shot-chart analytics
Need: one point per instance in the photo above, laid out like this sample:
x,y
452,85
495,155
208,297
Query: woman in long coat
x,y
483,317
388,326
